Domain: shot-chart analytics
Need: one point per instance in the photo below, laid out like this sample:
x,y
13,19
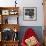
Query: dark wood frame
x,y
11,26
9,8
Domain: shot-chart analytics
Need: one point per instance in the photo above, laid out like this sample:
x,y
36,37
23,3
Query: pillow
x,y
31,41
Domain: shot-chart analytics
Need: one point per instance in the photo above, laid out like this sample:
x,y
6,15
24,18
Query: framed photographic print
x,y
30,13
13,12
12,20
5,12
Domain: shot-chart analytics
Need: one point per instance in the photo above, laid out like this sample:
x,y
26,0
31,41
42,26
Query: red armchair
x,y
28,34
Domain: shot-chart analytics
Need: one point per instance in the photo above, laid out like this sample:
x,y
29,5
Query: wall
x,y
44,12
36,25
37,29
27,3
44,22
38,5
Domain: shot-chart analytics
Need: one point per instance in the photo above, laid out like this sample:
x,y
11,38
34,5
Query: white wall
x,y
38,5
27,3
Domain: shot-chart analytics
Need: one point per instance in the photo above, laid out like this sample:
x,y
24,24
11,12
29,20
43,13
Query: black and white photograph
x,y
29,13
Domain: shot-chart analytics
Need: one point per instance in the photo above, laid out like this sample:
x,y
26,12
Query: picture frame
x,y
13,12
5,12
30,13
10,19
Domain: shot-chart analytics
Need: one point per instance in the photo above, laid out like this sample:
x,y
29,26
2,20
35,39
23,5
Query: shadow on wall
x,y
37,29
